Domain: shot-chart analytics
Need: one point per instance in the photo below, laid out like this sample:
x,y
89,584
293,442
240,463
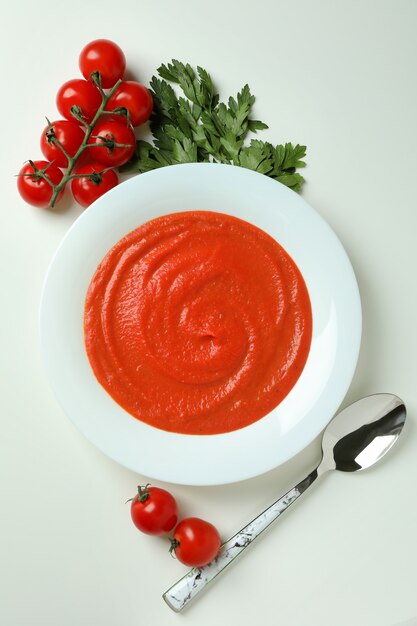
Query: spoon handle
x,y
180,594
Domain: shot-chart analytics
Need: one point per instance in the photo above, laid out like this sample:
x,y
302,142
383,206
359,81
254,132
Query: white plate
x,y
293,424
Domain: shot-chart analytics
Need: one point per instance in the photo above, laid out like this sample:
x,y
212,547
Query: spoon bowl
x,y
362,434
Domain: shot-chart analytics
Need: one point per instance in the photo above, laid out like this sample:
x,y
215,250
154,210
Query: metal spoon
x,y
355,439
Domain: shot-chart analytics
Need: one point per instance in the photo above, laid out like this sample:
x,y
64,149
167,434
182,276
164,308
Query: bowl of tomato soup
x,y
200,324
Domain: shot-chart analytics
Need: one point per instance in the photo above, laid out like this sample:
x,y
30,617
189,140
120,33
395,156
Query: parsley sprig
x,y
198,127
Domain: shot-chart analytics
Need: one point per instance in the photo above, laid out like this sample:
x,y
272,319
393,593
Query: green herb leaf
x,y
196,126
255,125
184,151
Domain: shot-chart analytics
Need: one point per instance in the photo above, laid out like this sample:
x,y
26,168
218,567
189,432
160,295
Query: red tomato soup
x,y
197,323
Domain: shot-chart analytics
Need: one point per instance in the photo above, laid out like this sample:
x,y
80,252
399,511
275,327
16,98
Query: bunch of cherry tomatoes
x,y
154,511
96,136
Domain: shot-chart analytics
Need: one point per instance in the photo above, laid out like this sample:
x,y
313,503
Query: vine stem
x,y
89,129
72,176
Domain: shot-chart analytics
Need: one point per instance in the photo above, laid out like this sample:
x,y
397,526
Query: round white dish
x,y
293,424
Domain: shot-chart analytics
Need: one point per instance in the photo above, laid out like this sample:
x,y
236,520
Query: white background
x,y
339,76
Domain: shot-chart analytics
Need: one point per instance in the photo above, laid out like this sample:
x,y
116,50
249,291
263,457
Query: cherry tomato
x,y
104,56
69,134
81,93
34,189
196,542
135,98
154,511
87,189
112,132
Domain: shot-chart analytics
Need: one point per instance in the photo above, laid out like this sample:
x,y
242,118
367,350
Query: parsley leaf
x,y
197,127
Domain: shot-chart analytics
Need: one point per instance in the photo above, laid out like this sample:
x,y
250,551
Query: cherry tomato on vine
x,y
154,511
196,542
96,183
70,136
106,57
81,93
105,135
34,189
135,98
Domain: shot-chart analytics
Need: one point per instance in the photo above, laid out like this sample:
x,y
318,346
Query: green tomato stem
x,y
106,169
